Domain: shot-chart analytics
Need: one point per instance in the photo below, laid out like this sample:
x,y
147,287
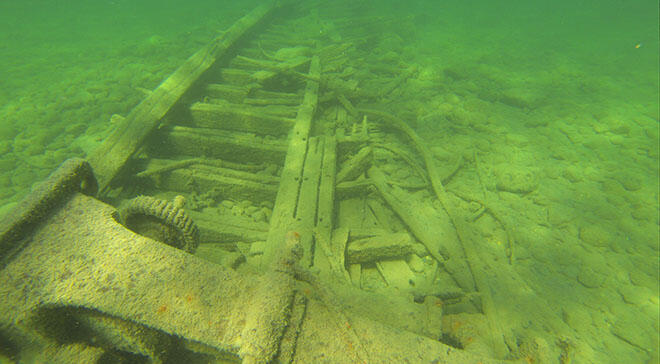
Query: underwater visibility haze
x,y
529,129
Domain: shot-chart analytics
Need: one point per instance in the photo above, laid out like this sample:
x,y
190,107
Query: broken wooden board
x,y
351,189
356,165
231,93
430,226
306,207
397,274
237,76
283,218
237,146
329,246
234,117
228,229
228,184
112,155
382,247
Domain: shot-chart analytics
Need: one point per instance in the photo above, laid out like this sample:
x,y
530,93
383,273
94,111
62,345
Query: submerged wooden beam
x,y
108,159
283,218
306,208
383,247
215,143
430,226
229,184
356,165
234,117
228,229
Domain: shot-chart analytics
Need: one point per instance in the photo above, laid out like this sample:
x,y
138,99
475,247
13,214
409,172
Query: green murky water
x,y
565,92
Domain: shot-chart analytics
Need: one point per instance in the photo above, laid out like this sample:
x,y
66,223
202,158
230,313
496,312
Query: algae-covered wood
x,y
112,155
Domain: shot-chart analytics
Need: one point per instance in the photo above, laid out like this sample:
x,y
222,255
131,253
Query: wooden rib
x,y
112,155
285,205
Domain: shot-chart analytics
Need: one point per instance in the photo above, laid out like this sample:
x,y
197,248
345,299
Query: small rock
x,y
517,140
577,318
629,181
617,125
259,216
267,212
512,179
634,295
641,279
573,174
559,214
632,327
617,140
595,236
590,278
251,209
237,210
416,263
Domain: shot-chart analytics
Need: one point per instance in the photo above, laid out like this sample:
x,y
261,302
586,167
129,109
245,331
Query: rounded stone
x,y
514,179
590,278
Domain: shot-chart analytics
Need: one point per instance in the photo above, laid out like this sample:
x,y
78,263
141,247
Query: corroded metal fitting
x,y
161,220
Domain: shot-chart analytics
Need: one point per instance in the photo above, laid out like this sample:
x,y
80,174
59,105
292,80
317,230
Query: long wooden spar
x,y
108,159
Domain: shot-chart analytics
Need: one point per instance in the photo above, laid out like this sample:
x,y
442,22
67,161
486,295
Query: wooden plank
x,y
264,94
350,189
111,156
234,117
355,271
327,257
384,247
215,143
430,226
237,77
396,273
305,215
185,180
265,102
231,93
282,219
228,229
355,166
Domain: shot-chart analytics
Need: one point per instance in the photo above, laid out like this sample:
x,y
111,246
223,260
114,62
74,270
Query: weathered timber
x,y
263,102
264,94
216,143
353,188
228,186
247,63
430,226
369,232
286,111
474,261
328,256
306,207
228,229
111,156
356,165
237,77
282,219
233,117
396,273
284,67
384,215
383,247
157,167
231,93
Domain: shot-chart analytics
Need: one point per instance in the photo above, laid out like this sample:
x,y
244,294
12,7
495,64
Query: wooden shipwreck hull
x,y
322,229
